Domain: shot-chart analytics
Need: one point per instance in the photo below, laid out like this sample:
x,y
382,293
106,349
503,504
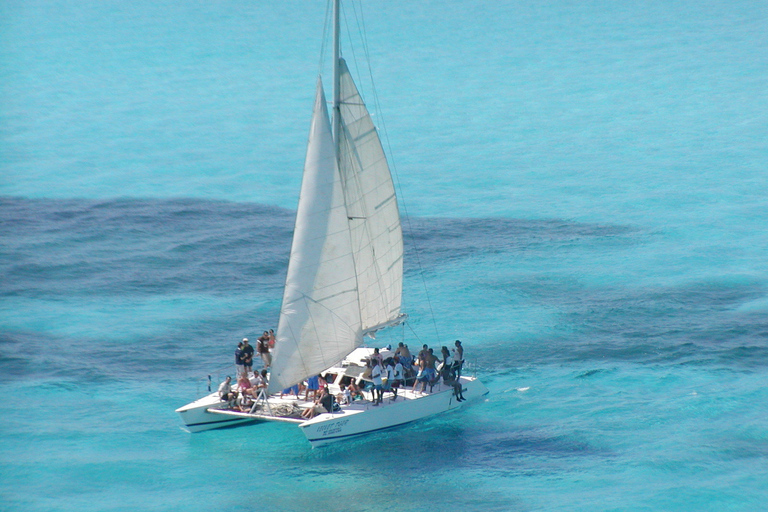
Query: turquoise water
x,y
585,185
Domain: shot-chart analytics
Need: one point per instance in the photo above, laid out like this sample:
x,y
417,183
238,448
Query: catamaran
x,y
344,283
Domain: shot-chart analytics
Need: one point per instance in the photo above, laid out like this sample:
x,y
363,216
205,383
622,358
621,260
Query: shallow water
x,y
584,197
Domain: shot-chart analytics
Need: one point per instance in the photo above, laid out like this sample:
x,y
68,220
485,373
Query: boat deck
x,y
289,409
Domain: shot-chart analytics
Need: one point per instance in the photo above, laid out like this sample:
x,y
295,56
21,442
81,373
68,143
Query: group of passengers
x,y
425,369
246,392
349,391
244,352
385,375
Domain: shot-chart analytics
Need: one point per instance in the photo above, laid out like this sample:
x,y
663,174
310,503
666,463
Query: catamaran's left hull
x,y
196,417
331,428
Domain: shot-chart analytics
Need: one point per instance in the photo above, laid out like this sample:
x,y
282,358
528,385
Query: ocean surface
x,y
584,187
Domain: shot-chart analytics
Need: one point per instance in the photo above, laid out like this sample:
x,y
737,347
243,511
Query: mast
x,y
336,79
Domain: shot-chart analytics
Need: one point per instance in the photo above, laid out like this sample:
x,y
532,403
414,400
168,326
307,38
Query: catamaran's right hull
x,y
330,428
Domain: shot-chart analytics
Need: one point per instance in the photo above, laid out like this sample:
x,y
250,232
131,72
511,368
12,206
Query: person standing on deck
x,y
260,384
262,347
377,356
458,358
247,356
313,385
376,373
403,354
423,354
239,359
395,370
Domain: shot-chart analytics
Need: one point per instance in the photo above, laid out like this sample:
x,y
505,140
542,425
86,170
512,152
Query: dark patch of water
x,y
60,249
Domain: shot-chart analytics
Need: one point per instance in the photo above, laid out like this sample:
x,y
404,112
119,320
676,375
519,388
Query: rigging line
x,y
328,9
359,19
393,166
377,107
352,46
410,327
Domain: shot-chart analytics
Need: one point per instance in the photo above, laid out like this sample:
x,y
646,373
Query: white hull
x,y
351,422
196,417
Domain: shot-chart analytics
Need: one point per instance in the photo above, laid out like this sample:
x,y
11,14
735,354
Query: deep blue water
x,y
584,196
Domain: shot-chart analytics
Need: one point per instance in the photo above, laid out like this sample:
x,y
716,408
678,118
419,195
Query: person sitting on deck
x,y
245,402
260,384
345,396
244,389
243,384
323,403
455,383
448,373
355,391
225,390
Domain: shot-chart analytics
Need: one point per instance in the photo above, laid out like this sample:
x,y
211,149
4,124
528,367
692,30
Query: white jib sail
x,y
377,238
320,317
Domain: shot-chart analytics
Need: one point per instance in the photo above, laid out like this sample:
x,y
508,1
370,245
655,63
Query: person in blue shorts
x,y
313,384
291,390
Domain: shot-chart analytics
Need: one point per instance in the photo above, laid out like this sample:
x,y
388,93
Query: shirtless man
x,y
403,354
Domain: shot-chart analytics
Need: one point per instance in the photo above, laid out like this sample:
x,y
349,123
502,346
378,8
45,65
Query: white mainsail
x,y
345,273
377,238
